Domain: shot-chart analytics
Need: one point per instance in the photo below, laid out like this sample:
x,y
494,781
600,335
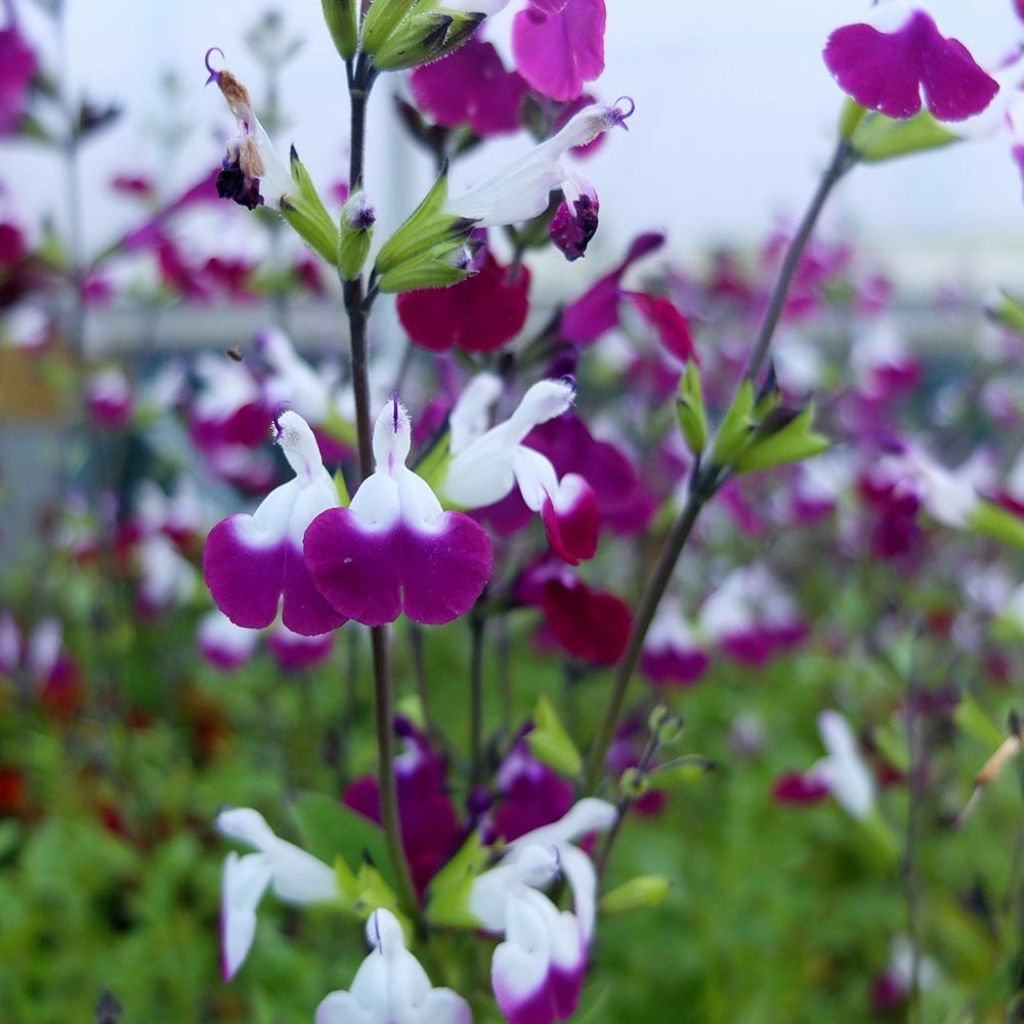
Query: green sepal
x,y
737,427
690,410
448,895
849,118
993,521
306,213
432,466
1009,312
436,268
878,138
330,830
373,892
550,743
381,20
679,772
424,36
353,241
342,22
426,227
640,893
793,442
341,487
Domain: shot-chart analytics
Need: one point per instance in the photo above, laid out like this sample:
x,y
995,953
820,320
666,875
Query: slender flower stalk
x,y
360,80
707,479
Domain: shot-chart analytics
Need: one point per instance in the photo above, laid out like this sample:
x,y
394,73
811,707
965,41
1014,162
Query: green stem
x,y
360,82
706,480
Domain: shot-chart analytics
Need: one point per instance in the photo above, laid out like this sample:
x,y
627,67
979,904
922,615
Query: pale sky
x,y
735,116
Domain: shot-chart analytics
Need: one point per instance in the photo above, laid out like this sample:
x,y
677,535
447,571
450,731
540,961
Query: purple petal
x,y
880,70
558,50
373,575
955,87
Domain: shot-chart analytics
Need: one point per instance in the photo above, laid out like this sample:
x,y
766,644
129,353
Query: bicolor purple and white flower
x,y
391,986
295,652
672,653
897,54
108,396
296,877
843,770
166,578
751,615
521,191
487,464
537,971
292,382
252,173
253,564
223,644
395,549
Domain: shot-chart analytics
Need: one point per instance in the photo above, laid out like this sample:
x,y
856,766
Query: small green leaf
x,y
448,896
550,743
331,830
679,772
970,717
638,893
996,522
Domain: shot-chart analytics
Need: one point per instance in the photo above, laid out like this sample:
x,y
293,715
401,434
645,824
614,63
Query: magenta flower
x,y
253,563
898,52
591,625
470,87
559,45
18,66
295,652
223,644
479,314
394,548
532,795
108,397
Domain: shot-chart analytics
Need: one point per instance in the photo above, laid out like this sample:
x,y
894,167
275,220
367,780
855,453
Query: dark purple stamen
x,y
572,229
214,75
394,411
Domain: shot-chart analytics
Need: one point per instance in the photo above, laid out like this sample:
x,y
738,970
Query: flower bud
x,y
638,893
341,16
425,37
356,234
305,212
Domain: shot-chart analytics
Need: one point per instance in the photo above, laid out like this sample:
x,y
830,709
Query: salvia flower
x,y
537,972
394,548
844,770
223,644
295,876
252,173
521,191
18,66
897,53
254,563
487,464
672,654
391,986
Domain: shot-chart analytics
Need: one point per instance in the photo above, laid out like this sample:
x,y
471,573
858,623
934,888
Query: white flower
x,y
843,771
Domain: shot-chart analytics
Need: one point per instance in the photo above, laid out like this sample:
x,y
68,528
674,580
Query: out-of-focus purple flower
x,y
672,654
108,397
430,827
479,314
223,644
470,87
530,793
18,66
295,652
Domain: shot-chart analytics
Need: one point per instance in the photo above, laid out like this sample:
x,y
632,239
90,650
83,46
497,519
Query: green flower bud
x,y
638,893
341,17
306,213
423,37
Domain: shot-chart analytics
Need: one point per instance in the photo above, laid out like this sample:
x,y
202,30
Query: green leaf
x,y
331,830
970,717
550,743
878,138
638,893
1009,312
448,896
792,443
996,522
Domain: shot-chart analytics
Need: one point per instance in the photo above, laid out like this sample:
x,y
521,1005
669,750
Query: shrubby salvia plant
x,y
472,487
